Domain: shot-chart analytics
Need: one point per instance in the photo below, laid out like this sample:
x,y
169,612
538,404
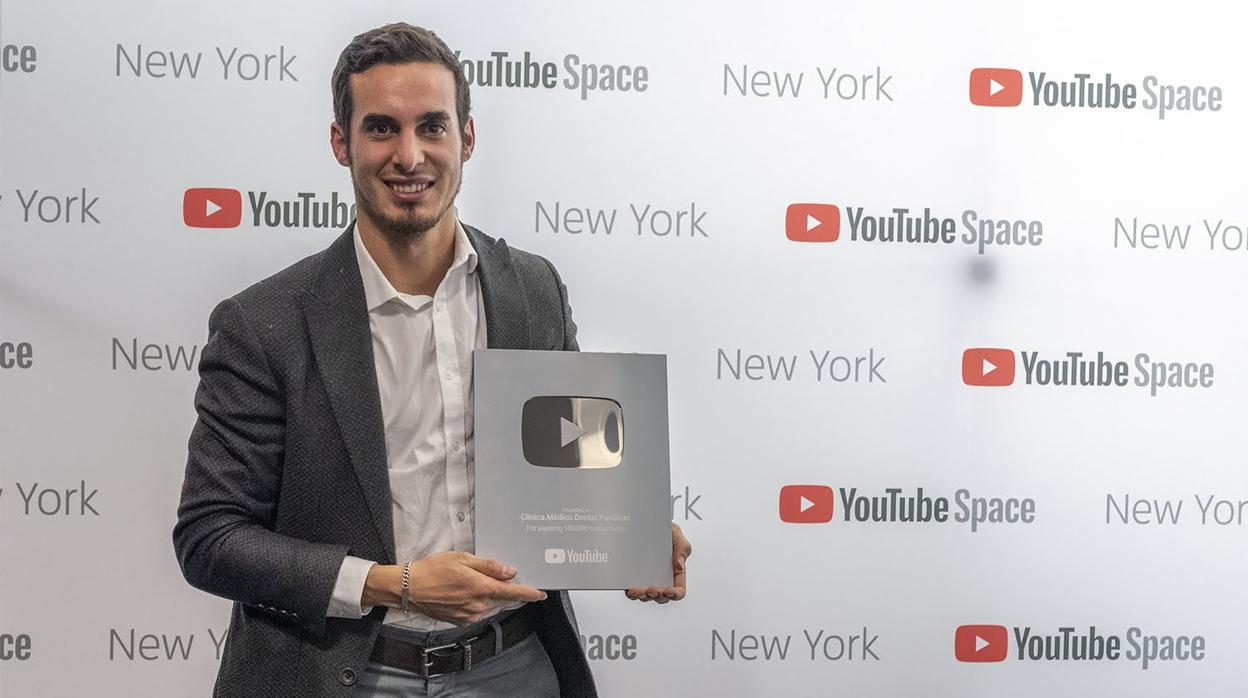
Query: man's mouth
x,y
409,187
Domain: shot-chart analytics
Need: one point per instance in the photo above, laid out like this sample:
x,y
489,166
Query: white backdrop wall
x,y
1137,526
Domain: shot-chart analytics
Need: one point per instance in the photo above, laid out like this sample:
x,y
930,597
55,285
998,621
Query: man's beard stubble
x,y
405,227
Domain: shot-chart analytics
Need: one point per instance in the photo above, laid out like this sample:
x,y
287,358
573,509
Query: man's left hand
x,y
681,550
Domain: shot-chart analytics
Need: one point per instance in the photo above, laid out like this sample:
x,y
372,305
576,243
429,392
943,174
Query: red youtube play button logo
x,y
988,367
209,207
806,503
996,87
812,222
981,643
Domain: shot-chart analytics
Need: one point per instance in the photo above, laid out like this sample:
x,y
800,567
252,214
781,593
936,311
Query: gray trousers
x,y
523,670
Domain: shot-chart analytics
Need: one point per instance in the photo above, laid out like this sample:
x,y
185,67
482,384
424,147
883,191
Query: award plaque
x,y
572,482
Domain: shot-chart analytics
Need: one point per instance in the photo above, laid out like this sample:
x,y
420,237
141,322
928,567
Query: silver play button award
x,y
572,483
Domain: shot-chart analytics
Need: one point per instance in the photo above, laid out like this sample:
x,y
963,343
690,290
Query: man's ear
x,y
470,140
338,141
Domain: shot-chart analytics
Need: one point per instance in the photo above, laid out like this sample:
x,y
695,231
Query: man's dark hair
x,y
394,44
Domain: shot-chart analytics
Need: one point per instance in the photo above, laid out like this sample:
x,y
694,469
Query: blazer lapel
x,y
342,344
506,306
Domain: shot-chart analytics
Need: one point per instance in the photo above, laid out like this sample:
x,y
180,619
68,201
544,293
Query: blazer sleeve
x,y
224,535
569,327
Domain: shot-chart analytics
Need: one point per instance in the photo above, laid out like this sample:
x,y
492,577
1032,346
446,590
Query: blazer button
x,y
347,677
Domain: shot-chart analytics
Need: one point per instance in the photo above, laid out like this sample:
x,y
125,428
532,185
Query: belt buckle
x,y
428,654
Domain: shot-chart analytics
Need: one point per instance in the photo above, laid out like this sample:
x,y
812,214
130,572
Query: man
x,y
329,486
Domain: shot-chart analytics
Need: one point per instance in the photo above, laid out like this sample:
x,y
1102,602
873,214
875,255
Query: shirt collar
x,y
377,288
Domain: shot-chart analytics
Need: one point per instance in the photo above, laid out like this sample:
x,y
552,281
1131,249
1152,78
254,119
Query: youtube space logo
x,y
988,367
981,643
1093,90
212,207
996,87
806,504
994,367
222,207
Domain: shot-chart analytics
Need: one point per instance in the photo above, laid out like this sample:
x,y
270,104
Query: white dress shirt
x,y
422,352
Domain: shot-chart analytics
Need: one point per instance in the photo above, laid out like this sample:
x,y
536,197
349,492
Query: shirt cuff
x,y
349,589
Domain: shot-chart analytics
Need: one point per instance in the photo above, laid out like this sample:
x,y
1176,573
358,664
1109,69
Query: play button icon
x,y
565,431
212,207
988,367
806,504
568,432
996,87
812,222
981,643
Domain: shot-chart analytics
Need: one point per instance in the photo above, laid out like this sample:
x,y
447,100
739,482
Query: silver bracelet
x,y
406,600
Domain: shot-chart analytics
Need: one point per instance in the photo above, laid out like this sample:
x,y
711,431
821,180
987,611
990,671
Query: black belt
x,y
461,655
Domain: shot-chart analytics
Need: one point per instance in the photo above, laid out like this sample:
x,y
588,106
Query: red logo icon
x,y
806,503
812,222
208,207
981,643
988,367
996,87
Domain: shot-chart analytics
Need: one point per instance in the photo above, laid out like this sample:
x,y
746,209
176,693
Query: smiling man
x,y
329,484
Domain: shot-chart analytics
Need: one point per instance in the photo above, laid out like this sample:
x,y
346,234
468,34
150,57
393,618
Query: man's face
x,y
406,152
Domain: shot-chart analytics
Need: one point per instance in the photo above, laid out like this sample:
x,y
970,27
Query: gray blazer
x,y
287,469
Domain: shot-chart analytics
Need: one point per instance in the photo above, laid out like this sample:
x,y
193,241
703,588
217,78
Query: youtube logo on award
x,y
210,207
812,222
981,643
992,368
996,87
806,504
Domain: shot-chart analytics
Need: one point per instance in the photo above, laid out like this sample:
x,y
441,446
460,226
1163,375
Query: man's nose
x,y
408,151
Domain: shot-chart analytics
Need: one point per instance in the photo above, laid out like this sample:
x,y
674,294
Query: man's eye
x,y
380,129
435,128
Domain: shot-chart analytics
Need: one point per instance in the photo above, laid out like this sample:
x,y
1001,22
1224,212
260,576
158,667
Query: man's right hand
x,y
455,587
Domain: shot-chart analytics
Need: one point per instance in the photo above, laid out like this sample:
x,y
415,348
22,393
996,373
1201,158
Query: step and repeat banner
x,y
949,295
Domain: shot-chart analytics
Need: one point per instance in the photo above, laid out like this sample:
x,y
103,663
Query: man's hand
x,y
455,587
681,550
